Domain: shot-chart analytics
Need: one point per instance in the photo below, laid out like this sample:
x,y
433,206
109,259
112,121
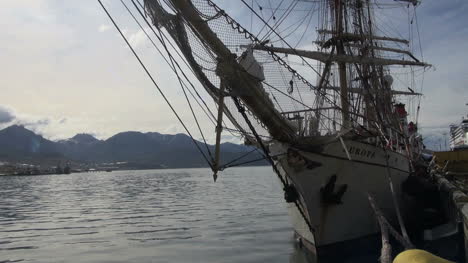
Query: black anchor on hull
x,y
328,193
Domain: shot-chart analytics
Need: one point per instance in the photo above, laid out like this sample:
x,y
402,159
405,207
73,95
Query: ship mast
x,y
355,69
338,5
364,70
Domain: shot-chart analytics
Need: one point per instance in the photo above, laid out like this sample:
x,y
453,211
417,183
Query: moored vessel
x,y
456,160
331,143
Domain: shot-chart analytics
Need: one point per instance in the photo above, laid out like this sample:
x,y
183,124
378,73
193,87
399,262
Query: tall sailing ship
x,y
334,130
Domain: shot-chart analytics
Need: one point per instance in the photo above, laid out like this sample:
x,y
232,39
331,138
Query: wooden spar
x,y
363,91
236,78
219,129
378,213
359,37
309,110
386,250
414,2
396,50
324,57
395,201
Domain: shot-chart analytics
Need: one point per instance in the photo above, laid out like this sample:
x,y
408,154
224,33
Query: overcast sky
x,y
65,70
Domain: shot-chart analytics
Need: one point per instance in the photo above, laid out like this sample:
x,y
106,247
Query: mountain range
x,y
136,149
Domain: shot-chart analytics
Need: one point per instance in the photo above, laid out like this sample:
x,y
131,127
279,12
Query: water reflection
x,y
146,216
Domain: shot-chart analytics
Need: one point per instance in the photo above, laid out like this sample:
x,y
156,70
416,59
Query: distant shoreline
x,y
118,170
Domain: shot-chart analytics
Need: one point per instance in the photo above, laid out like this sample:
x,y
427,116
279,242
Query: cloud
x,y
436,138
34,123
9,116
71,63
172,129
45,125
6,115
103,28
50,127
231,138
137,38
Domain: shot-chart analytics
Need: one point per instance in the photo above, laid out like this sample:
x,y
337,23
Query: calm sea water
x,y
146,216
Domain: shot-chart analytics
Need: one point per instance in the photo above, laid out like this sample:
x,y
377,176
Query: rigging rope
x,y
296,26
181,84
154,82
230,164
172,66
275,57
249,36
251,9
211,117
161,38
306,29
270,160
422,58
280,20
272,16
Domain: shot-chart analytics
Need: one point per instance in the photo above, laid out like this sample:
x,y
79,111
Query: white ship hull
x,y
352,218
